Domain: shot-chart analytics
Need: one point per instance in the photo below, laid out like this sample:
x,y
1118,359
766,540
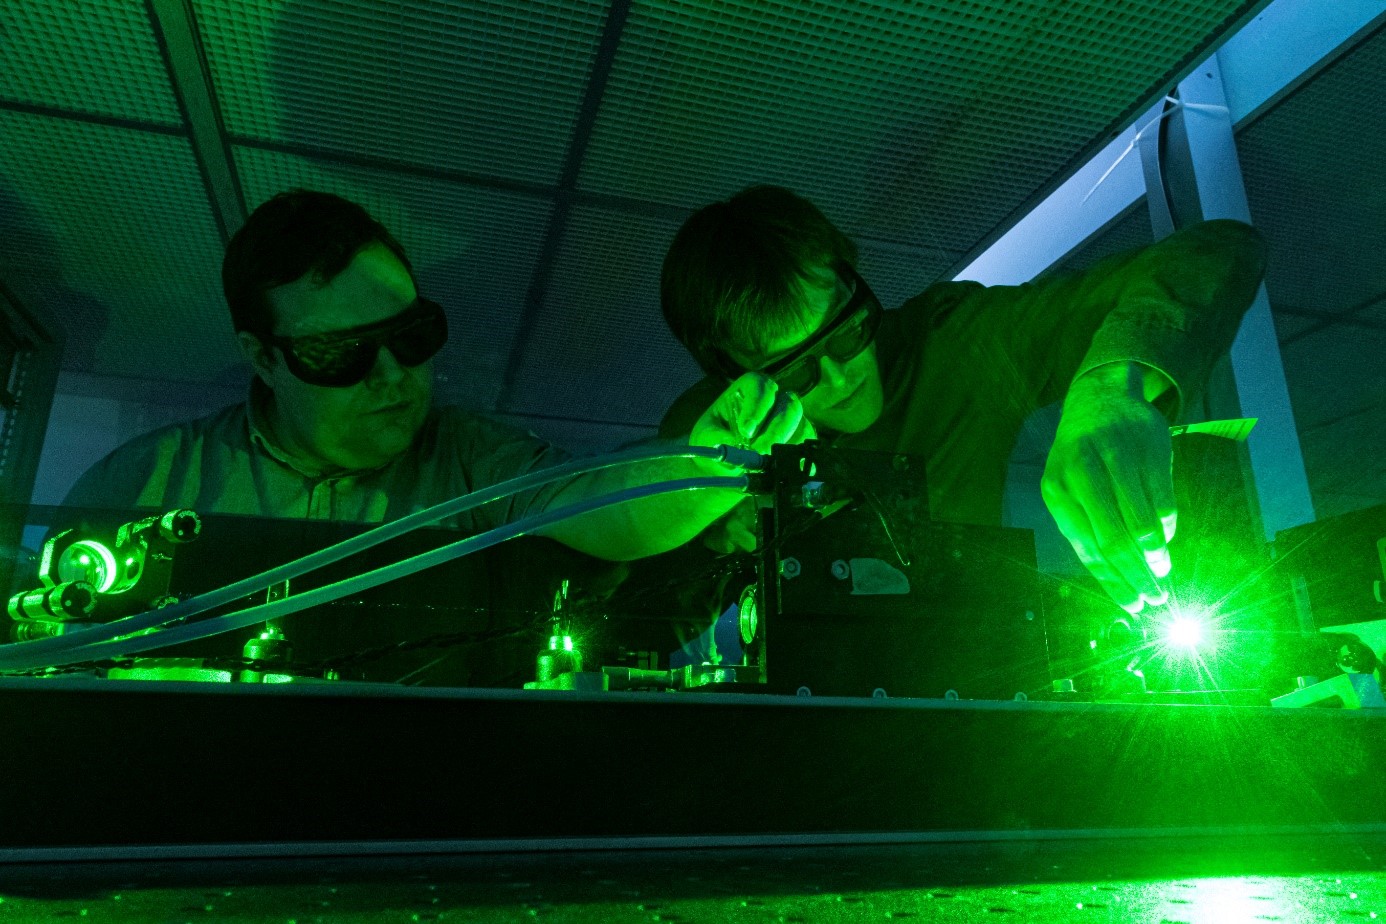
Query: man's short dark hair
x,y
734,275
295,233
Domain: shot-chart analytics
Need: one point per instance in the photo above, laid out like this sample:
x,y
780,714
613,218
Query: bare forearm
x,y
647,526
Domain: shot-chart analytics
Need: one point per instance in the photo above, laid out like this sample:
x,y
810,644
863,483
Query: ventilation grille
x,y
107,230
487,88
98,58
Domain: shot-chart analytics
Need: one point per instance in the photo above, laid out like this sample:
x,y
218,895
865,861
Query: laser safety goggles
x,y
343,358
842,339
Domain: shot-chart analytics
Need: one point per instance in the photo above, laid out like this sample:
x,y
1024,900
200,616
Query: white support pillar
x,y
1202,179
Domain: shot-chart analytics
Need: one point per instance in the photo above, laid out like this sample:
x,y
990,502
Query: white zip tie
x,y
1178,104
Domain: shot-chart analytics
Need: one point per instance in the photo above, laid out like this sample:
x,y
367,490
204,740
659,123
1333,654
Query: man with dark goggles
x,y
342,358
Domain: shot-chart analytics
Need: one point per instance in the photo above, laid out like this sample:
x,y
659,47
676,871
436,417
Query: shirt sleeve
x,y
1175,306
133,475
491,452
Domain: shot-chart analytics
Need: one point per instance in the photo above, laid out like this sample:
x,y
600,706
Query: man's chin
x,y
387,444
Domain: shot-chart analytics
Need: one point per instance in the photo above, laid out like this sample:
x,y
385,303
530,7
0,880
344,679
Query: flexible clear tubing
x,y
239,619
51,652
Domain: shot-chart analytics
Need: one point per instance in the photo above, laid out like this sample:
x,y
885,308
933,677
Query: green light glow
x,y
567,643
90,561
1184,632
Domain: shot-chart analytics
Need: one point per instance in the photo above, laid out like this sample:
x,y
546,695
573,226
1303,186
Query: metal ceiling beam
x,y
191,78
1287,44
1201,179
563,198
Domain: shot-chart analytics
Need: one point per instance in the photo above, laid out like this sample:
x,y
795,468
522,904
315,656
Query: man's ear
x,y
258,355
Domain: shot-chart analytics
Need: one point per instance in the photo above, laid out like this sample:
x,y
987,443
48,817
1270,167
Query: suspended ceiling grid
x,y
535,158
1315,168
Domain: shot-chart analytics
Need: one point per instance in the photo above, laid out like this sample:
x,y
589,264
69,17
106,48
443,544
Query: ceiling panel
x,y
99,58
924,123
1343,460
1288,326
1374,311
1315,171
1335,373
473,250
491,88
108,230
600,350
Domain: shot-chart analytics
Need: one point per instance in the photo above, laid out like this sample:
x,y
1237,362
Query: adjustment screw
x,y
841,570
790,567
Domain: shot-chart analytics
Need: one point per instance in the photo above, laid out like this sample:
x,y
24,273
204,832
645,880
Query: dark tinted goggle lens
x,y
842,345
336,361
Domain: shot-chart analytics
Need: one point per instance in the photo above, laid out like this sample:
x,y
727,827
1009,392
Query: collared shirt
x,y
229,463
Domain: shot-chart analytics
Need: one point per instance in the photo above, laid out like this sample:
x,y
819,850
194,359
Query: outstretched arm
x,y
750,413
1108,480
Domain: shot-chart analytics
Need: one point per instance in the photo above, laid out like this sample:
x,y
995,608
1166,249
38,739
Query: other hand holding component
x,y
752,413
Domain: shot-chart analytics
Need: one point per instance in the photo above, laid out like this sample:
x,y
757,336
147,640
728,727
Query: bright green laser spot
x,y
1184,632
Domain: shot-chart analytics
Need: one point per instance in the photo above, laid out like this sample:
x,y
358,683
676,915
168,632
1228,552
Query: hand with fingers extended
x,y
1108,483
753,413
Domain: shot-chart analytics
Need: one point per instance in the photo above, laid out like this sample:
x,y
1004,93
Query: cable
x,y
98,650
26,652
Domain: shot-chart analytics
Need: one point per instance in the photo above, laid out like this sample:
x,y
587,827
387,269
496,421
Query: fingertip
x,y
1169,521
1159,562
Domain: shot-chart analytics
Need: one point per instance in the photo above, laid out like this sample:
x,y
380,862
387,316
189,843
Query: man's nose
x,y
387,369
834,375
